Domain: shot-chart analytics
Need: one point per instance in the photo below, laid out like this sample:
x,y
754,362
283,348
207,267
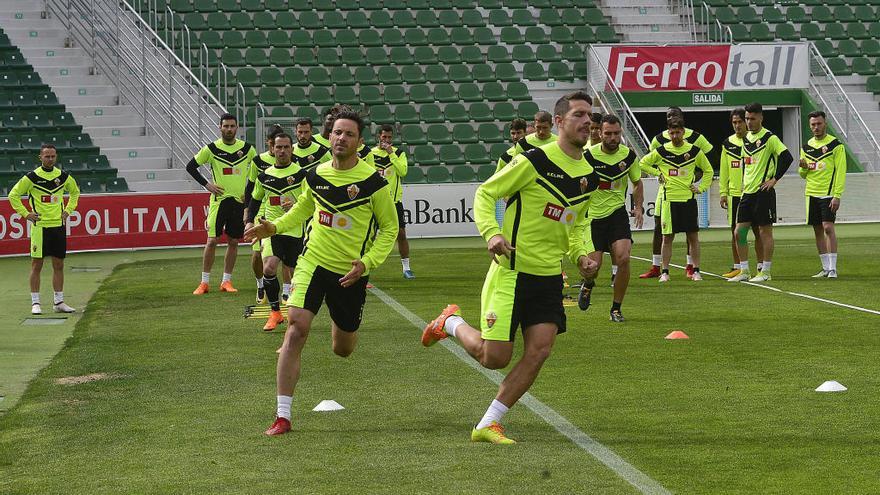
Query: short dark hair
x,y
304,121
543,116
674,110
596,118
738,112
386,128
47,146
518,124
353,116
562,104
274,131
228,116
283,135
818,114
675,123
610,119
754,107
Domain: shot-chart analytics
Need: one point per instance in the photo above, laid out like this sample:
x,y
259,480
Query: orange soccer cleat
x,y
227,287
275,318
279,427
434,332
201,289
654,272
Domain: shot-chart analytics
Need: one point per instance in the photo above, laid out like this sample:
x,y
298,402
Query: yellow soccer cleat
x,y
732,273
494,433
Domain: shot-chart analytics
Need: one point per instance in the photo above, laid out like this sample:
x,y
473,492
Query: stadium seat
x,y
472,18
381,114
527,110
463,134
796,14
425,55
858,31
449,18
822,14
476,153
504,112
431,113
425,156
469,92
484,172
480,112
370,95
438,37
489,133
523,17
463,173
839,67
448,55
390,75
836,31
439,134
413,135
547,53
518,91
369,37
561,34
270,96
523,54
455,112
584,34
606,34
376,56
873,84
848,48
865,13
787,32
506,72
412,74
484,36
414,175
511,35
117,185
559,71
403,19
871,48
446,93
747,15
321,96
481,73
437,174
436,74
401,55
760,32
406,114
472,55
395,95
536,35
420,93
450,154
863,66
499,18
301,56
88,185
772,15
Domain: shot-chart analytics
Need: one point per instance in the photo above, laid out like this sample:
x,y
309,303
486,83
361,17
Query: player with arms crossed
x,y
391,163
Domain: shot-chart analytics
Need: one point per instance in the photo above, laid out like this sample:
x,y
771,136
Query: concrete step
x,y
79,80
128,142
662,19
58,52
862,97
650,28
60,61
78,101
647,37
33,30
640,10
114,130
61,73
11,17
19,5
174,174
98,121
85,90
140,163
613,4
135,152
83,110
164,186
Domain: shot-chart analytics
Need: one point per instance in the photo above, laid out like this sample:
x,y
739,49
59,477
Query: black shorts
x,y
684,216
401,222
819,211
757,208
284,247
606,231
226,216
538,299
48,241
346,304
732,207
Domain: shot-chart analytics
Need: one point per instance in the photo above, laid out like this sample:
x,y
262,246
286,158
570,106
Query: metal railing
x,y
710,28
826,91
685,10
174,104
602,85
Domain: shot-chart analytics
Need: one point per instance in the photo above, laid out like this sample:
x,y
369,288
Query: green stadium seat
x,y
117,185
606,34
88,185
874,29
318,76
341,76
760,32
412,74
269,76
498,149
550,17
427,19
424,156
523,17
240,21
301,56
797,14
523,54
445,93
437,174
536,35
420,93
381,115
181,6
369,37
302,39
346,38
395,94
401,55
584,34
448,55
484,172
294,76
217,21
294,95
233,58
413,135
463,173
248,76
594,16
561,34
356,20
499,18
438,37
747,15
822,14
476,153
858,31
871,48
450,154
406,114
212,39
414,175
455,112
403,19
259,39
849,48
277,5
381,19
511,35
439,134
863,66
725,15
449,18
347,95
740,32
353,56
415,37
371,95
826,48
481,73
256,57
489,133
436,74
376,56
252,5
472,18
843,13
469,92
559,71
873,84
506,73
548,53
494,91
270,97
504,111
839,67
484,36
431,114
463,133
472,55
462,36
329,56
196,21
309,20
865,13
787,32
480,112
534,71
282,112
264,21
518,91
321,96
836,31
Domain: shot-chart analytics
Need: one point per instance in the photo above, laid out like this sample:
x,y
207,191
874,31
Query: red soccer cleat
x,y
279,427
654,272
689,270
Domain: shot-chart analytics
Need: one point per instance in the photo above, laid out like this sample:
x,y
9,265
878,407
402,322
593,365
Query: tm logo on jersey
x,y
334,221
559,214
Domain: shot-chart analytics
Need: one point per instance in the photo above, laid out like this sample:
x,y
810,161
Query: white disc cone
x,y
328,405
830,386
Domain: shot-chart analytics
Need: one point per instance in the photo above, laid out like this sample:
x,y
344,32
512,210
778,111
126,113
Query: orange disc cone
x,y
677,334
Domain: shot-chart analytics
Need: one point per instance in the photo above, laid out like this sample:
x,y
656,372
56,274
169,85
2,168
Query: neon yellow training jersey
x,y
690,136
546,217
276,186
676,167
531,141
730,175
310,156
45,191
826,159
615,172
230,166
347,207
392,166
761,152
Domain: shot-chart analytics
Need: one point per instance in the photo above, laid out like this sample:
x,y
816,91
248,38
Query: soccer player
x,y
700,141
541,136
324,137
307,152
595,130
766,160
259,164
730,182
676,162
549,189
823,165
45,188
277,189
609,219
229,159
517,130
391,163
348,201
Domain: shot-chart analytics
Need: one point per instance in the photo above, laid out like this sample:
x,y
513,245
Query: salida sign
x,y
707,68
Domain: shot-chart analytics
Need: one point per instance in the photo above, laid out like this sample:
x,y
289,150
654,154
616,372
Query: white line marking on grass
x,y
603,454
776,289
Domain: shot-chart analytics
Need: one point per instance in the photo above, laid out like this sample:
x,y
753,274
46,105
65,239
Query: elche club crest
x,y
758,143
687,156
621,166
239,153
57,181
584,183
290,180
491,318
353,191
824,149
310,158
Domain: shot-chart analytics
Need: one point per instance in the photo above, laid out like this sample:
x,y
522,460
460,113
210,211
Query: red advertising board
x,y
118,221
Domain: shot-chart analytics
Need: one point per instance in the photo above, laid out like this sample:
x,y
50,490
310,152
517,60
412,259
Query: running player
x,y
823,165
549,189
229,159
348,201
595,130
676,162
391,163
45,188
766,160
541,136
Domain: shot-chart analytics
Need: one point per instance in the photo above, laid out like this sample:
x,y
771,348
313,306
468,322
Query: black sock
x,y
666,271
696,268
272,290
615,306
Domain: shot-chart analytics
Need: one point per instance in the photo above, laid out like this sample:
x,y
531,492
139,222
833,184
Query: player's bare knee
x,y
342,350
212,242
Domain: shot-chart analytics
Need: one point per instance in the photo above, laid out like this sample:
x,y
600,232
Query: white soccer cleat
x,y
62,307
822,274
664,277
832,273
760,277
36,309
696,277
742,277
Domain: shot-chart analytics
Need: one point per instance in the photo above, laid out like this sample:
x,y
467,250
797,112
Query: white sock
x,y
285,289
35,298
59,297
259,282
765,267
744,265
494,413
832,261
614,269
227,277
284,406
690,260
206,277
760,266
452,323
656,259
405,263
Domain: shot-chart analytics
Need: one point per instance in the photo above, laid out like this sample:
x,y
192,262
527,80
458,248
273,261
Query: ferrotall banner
x,y
706,67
